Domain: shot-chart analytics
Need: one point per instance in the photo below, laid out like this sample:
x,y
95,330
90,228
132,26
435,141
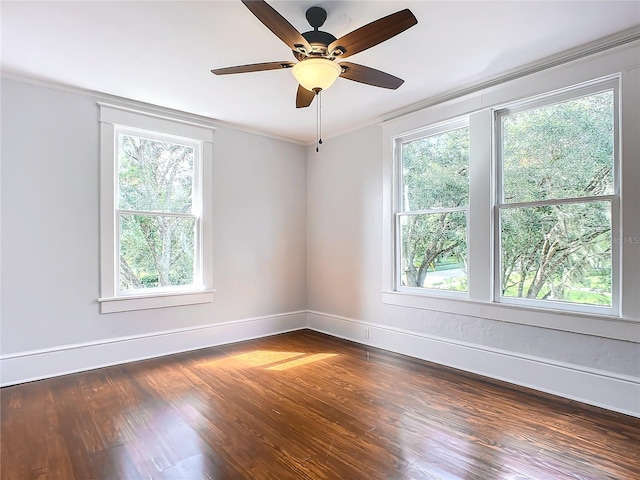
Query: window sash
x,y
401,141
554,98
557,304
398,252
196,182
197,278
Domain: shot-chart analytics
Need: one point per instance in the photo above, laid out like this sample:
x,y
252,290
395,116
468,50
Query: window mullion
x,y
479,218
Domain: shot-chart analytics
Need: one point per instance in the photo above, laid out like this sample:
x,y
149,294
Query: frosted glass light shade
x,y
316,73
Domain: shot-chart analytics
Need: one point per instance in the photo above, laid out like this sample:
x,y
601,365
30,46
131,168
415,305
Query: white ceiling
x,y
161,52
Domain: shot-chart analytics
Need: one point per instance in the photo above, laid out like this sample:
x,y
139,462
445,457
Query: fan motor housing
x,y
319,37
319,41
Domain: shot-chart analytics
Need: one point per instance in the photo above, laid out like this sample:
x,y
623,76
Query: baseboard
x,y
617,392
38,364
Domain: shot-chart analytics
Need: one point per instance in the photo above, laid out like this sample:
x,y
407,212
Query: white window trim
x,y
113,119
620,62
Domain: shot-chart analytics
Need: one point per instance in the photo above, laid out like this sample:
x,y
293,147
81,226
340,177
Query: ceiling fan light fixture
x,y
316,73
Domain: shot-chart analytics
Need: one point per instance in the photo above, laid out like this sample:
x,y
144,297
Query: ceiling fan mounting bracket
x,y
316,16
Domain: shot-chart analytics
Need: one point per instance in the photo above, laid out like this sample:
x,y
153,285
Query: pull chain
x,y
318,119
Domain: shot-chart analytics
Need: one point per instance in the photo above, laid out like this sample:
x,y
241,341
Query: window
x,y
432,209
155,197
515,205
158,224
558,201
552,217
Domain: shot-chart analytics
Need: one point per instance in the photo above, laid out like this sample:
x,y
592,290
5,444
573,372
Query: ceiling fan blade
x,y
373,33
277,24
304,97
370,76
253,67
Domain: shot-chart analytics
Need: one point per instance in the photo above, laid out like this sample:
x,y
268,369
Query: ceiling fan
x,y
317,51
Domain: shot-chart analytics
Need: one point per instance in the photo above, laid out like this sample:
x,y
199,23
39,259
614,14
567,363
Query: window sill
x,y
627,329
156,300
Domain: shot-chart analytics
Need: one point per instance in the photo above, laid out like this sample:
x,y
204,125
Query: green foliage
x,y
558,151
156,250
435,171
435,175
149,281
154,175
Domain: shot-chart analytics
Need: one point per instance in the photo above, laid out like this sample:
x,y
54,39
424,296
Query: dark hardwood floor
x,y
303,406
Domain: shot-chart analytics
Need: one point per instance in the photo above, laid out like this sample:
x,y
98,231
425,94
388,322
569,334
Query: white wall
x,y
50,242
346,242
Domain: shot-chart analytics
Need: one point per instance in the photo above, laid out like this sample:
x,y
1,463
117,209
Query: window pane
x,y
435,171
156,251
433,251
558,252
559,151
154,175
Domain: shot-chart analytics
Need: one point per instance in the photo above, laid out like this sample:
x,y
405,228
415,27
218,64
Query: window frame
x,y
540,101
618,64
115,120
399,211
196,209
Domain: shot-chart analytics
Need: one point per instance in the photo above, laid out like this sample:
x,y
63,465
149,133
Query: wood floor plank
x,y
304,406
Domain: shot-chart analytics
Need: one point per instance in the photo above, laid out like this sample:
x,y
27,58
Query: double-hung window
x,y
155,201
433,199
558,202
158,209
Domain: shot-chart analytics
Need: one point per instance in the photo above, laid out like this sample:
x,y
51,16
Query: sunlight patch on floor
x,y
302,361
271,360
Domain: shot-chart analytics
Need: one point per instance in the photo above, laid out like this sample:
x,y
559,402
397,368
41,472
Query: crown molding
x,y
603,44
123,102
